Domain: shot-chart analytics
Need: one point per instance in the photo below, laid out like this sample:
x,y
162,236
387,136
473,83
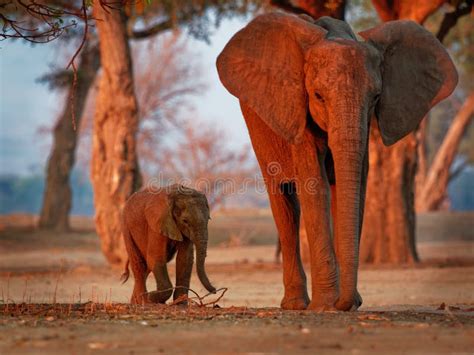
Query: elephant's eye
x,y
185,221
318,96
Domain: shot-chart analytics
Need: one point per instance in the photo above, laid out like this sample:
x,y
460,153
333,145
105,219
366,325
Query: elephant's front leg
x,y
164,288
157,259
286,213
313,193
184,267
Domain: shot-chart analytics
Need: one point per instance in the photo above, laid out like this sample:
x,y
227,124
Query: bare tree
x,y
42,22
57,198
202,157
433,191
167,76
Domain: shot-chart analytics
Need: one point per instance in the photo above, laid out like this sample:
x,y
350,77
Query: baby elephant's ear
x,y
159,216
417,73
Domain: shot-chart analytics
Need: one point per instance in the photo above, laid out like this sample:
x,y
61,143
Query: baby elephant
x,y
156,224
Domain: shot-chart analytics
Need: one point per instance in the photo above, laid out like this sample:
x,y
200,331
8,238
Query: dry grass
x,y
449,315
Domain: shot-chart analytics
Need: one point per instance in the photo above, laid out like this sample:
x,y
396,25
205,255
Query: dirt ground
x,y
59,296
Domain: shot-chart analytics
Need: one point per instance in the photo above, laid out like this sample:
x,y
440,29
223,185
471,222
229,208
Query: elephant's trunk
x,y
201,252
348,149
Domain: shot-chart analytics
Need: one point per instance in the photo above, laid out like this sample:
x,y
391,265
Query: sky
x,y
26,105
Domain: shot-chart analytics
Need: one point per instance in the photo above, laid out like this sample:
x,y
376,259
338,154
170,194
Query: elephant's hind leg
x,y
140,273
286,213
139,268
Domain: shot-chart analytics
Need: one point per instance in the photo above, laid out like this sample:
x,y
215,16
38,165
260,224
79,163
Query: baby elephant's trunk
x,y
201,252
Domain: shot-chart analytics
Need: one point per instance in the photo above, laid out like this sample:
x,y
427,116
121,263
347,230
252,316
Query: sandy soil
x,y
424,309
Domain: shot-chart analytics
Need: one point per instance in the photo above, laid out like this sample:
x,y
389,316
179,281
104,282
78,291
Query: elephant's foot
x,y
324,302
159,296
139,297
180,298
349,303
294,304
296,301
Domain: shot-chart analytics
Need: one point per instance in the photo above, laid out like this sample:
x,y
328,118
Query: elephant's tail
x,y
134,255
126,273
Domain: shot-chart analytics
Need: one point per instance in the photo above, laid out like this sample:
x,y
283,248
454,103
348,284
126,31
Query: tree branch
x,y
288,6
451,18
437,179
152,30
385,10
162,26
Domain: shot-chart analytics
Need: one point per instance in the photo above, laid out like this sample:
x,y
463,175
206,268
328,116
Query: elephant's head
x,y
290,70
180,213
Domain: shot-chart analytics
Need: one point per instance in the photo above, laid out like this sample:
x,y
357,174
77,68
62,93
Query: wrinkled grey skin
x,y
156,225
308,92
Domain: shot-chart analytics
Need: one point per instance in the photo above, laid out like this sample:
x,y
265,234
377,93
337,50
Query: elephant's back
x,y
134,206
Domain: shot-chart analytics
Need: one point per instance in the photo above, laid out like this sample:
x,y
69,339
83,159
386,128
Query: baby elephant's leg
x,y
164,288
140,274
184,266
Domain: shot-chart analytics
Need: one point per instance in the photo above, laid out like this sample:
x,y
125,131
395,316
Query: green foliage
x,y
66,20
198,17
40,22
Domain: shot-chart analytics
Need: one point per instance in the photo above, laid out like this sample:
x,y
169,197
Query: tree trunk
x,y
114,171
388,231
433,192
57,194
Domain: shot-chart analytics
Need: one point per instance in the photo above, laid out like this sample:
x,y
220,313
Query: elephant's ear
x,y
263,66
159,216
417,73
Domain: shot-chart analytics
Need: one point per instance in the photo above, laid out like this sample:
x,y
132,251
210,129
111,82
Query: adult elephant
x,y
308,91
